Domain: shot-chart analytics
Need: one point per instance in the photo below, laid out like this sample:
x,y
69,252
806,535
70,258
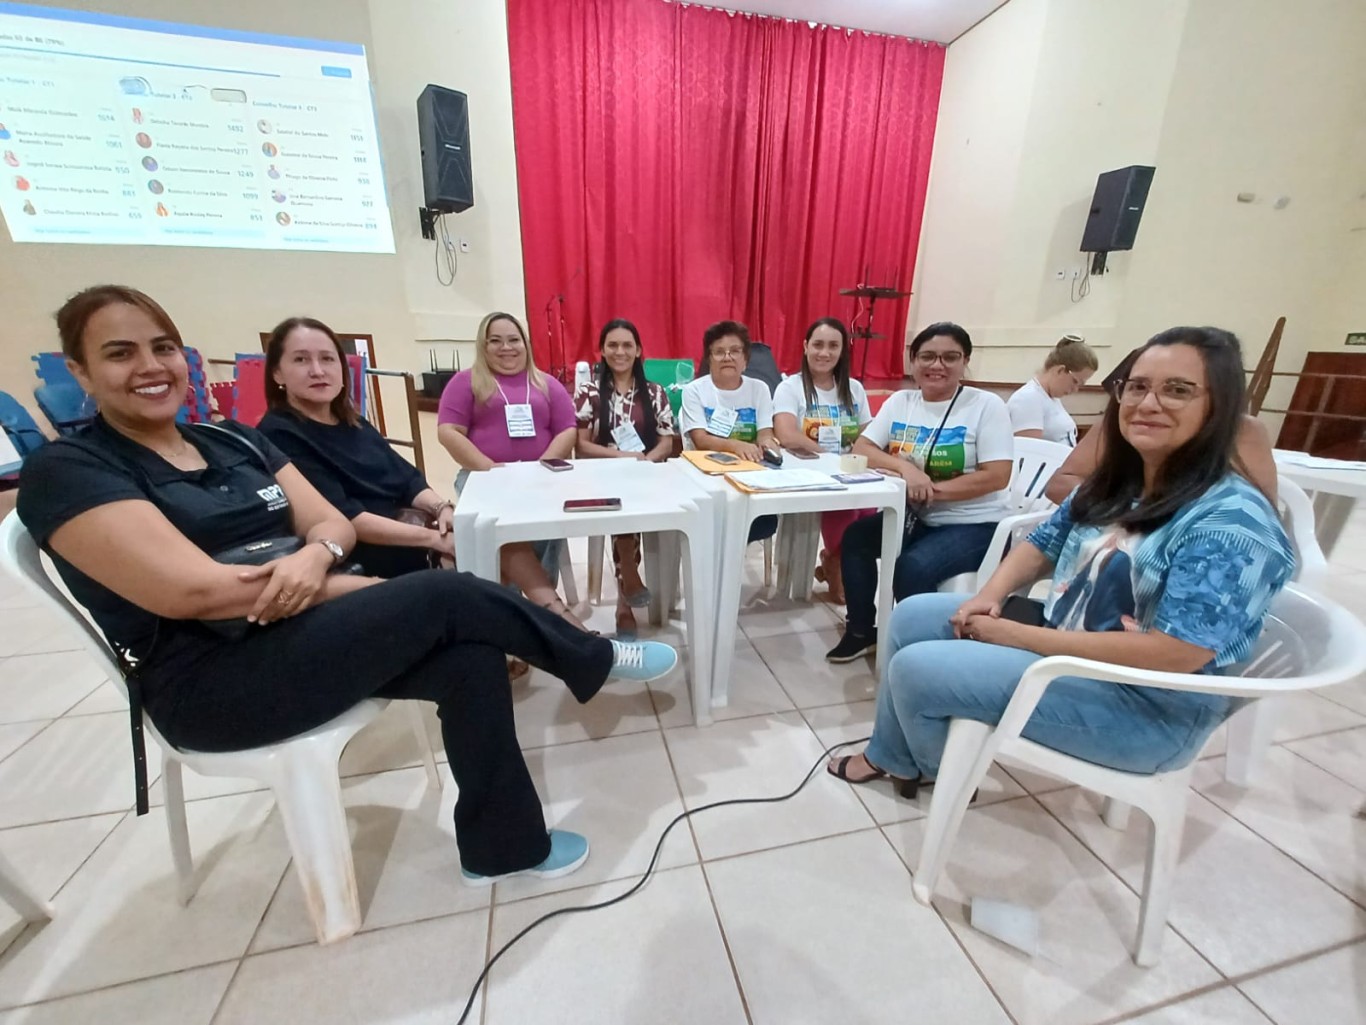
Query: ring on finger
x,y
284,597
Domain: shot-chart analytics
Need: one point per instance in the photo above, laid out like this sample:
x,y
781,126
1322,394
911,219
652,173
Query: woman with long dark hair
x,y
623,416
824,409
1165,559
312,420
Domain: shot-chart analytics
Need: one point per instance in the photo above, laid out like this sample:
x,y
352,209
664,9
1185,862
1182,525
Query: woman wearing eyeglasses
x,y
1252,455
953,446
505,410
1036,410
725,411
1165,559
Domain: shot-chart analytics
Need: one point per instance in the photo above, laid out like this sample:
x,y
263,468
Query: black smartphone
x,y
557,465
797,453
1019,609
592,504
723,457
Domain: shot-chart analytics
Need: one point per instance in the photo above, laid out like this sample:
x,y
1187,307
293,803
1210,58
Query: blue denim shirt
x,y
1206,577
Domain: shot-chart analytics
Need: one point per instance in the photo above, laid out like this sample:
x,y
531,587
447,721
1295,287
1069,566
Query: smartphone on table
x,y
797,453
592,505
557,465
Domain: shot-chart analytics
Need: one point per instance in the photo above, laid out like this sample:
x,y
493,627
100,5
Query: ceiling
x,y
942,21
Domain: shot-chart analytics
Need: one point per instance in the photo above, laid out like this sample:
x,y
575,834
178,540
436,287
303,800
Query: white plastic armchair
x,y
1308,642
301,771
1036,461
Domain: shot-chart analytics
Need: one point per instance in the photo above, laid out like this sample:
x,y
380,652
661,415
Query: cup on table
x,y
852,463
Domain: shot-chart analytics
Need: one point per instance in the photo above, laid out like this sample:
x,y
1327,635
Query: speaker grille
x,y
443,129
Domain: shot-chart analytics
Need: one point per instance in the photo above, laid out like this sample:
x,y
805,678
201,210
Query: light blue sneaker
x,y
642,661
567,852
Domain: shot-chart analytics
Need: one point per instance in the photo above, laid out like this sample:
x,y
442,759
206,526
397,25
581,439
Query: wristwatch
x,y
336,550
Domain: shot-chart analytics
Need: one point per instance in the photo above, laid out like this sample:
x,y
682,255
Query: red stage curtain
x,y
678,165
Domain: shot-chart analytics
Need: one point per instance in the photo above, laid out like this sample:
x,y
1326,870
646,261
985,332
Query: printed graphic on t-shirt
x,y
909,441
818,415
1101,592
746,423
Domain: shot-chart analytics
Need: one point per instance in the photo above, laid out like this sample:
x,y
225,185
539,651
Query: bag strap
x,y
241,440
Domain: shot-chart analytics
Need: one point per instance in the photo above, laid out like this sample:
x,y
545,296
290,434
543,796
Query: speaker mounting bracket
x,y
1098,263
427,216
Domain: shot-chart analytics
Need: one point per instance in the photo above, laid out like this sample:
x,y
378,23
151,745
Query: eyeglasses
x,y
504,343
929,359
1172,394
728,354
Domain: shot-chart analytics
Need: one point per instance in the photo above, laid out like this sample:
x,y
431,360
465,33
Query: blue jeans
x,y
929,556
933,677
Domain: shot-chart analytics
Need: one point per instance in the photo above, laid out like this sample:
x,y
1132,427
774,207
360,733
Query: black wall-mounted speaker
x,y
443,132
1116,209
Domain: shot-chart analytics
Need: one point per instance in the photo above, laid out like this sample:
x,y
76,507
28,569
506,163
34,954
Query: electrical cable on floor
x,y
649,869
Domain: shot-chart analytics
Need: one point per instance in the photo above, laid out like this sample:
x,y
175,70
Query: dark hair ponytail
x,y
607,384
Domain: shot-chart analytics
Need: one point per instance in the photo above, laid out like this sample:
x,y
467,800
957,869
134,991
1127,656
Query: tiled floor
x,y
782,913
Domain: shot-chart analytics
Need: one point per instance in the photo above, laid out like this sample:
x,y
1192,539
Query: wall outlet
x,y
1060,275
1076,273
464,245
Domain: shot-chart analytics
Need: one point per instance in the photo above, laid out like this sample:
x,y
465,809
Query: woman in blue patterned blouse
x,y
1164,559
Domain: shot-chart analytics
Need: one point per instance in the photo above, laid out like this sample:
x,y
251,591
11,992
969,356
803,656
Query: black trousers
x,y
437,635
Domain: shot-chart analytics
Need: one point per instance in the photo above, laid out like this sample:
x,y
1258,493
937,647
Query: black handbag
x,y
256,553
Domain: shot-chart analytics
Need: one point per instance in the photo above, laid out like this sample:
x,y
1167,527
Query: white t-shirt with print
x,y
751,403
1033,409
790,397
976,431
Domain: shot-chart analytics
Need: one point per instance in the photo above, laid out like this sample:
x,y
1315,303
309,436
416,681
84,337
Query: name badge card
x,y
828,437
628,438
520,422
722,421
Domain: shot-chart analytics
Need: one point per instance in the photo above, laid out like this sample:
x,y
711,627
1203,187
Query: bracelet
x,y
447,504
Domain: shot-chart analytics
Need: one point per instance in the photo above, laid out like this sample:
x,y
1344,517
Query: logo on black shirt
x,y
274,497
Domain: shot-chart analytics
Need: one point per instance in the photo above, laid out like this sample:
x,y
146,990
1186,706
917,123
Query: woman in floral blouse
x,y
1164,559
635,422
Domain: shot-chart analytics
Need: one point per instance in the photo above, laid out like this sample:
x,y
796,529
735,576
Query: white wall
x,y
1222,96
221,298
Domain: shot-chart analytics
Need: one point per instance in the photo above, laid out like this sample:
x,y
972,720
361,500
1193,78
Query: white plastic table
x,y
1336,490
525,502
737,509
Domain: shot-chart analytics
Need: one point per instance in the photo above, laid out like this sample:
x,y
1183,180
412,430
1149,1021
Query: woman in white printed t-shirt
x,y
953,447
1036,410
725,411
823,409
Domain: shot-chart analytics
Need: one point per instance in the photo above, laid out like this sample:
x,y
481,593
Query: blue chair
x,y
23,433
66,406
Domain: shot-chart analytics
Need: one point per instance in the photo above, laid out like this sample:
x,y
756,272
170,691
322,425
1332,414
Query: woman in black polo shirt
x,y
313,421
132,512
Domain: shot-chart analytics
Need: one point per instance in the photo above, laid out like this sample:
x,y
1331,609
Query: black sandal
x,y
910,788
841,771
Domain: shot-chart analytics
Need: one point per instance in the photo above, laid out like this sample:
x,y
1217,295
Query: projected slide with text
x,y
120,130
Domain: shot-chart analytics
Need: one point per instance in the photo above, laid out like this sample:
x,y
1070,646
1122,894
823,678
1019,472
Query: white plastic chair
x,y
1250,729
1308,642
1036,461
18,895
301,772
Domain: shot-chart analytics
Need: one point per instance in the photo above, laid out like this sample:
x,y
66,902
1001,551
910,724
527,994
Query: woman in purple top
x,y
505,410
